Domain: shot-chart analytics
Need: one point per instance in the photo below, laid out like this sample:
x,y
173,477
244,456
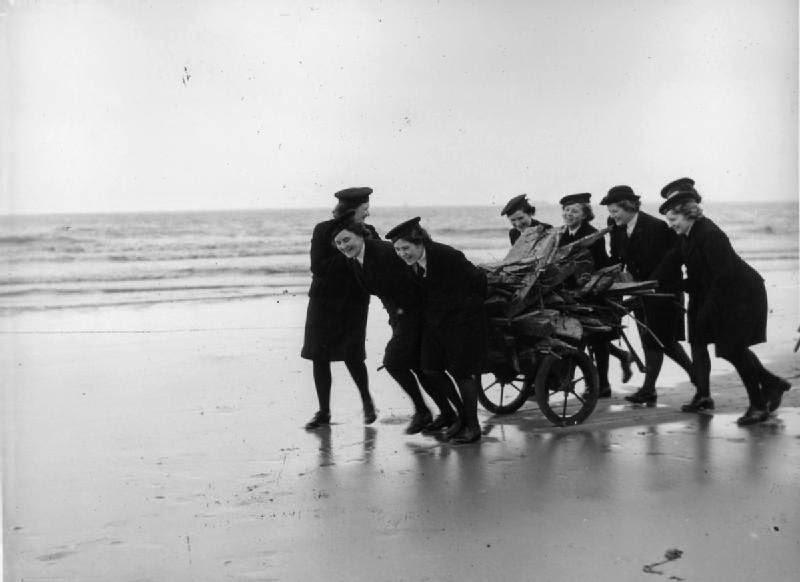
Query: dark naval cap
x,y
517,203
676,185
582,198
403,229
618,194
357,195
679,197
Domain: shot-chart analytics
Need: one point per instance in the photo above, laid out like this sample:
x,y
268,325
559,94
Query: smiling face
x,y
619,215
408,251
573,215
361,212
520,220
348,243
680,223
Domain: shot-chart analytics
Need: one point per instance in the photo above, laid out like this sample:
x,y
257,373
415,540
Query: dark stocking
x,y
408,383
468,386
653,359
702,369
433,390
747,365
617,352
600,351
322,382
442,384
358,370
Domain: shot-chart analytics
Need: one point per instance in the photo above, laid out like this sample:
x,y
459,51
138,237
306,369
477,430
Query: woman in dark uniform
x,y
454,321
336,320
381,272
577,213
640,242
727,305
520,214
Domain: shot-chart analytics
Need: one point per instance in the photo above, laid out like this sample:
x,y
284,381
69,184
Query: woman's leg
x,y
600,353
358,371
625,360
747,364
409,385
322,382
436,392
471,429
701,361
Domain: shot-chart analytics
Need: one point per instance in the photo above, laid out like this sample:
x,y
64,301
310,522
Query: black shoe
x,y
453,429
605,392
752,416
319,419
419,421
627,373
440,423
470,434
698,404
370,414
773,393
641,397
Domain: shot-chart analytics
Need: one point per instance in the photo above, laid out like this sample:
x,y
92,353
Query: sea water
x,y
89,260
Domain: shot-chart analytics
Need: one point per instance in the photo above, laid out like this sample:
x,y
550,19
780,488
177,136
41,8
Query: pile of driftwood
x,y
544,297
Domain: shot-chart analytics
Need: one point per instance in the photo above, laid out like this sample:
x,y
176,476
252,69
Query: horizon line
x,y
299,208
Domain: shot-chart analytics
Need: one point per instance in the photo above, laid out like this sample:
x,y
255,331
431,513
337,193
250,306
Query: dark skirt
x,y
403,348
736,324
664,317
459,347
335,330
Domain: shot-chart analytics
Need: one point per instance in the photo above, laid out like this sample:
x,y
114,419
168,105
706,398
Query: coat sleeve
x,y
475,277
323,255
669,265
599,254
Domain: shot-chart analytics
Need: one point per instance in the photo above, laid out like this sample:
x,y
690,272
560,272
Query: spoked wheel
x,y
504,394
567,388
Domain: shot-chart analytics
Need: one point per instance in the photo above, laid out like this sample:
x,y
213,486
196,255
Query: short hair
x,y
344,205
416,235
357,228
526,207
689,209
629,205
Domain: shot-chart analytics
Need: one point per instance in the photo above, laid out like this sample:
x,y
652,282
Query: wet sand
x,y
164,443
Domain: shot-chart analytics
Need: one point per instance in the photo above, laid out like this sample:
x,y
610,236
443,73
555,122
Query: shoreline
x,y
165,442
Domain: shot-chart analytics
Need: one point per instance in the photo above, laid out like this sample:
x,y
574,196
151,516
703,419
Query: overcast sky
x,y
168,105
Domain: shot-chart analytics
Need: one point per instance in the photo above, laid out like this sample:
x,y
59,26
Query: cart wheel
x,y
567,388
504,395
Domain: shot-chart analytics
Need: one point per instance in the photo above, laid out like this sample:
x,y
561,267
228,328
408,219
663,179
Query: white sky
x,y
451,102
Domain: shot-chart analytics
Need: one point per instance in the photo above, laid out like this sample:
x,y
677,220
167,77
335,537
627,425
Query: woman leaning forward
x,y
454,321
382,273
727,304
336,319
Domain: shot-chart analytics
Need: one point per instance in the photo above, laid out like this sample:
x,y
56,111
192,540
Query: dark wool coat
x,y
514,234
454,320
598,249
386,275
727,297
336,319
642,253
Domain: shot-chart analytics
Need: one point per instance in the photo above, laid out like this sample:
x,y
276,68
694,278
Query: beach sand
x,y
165,443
